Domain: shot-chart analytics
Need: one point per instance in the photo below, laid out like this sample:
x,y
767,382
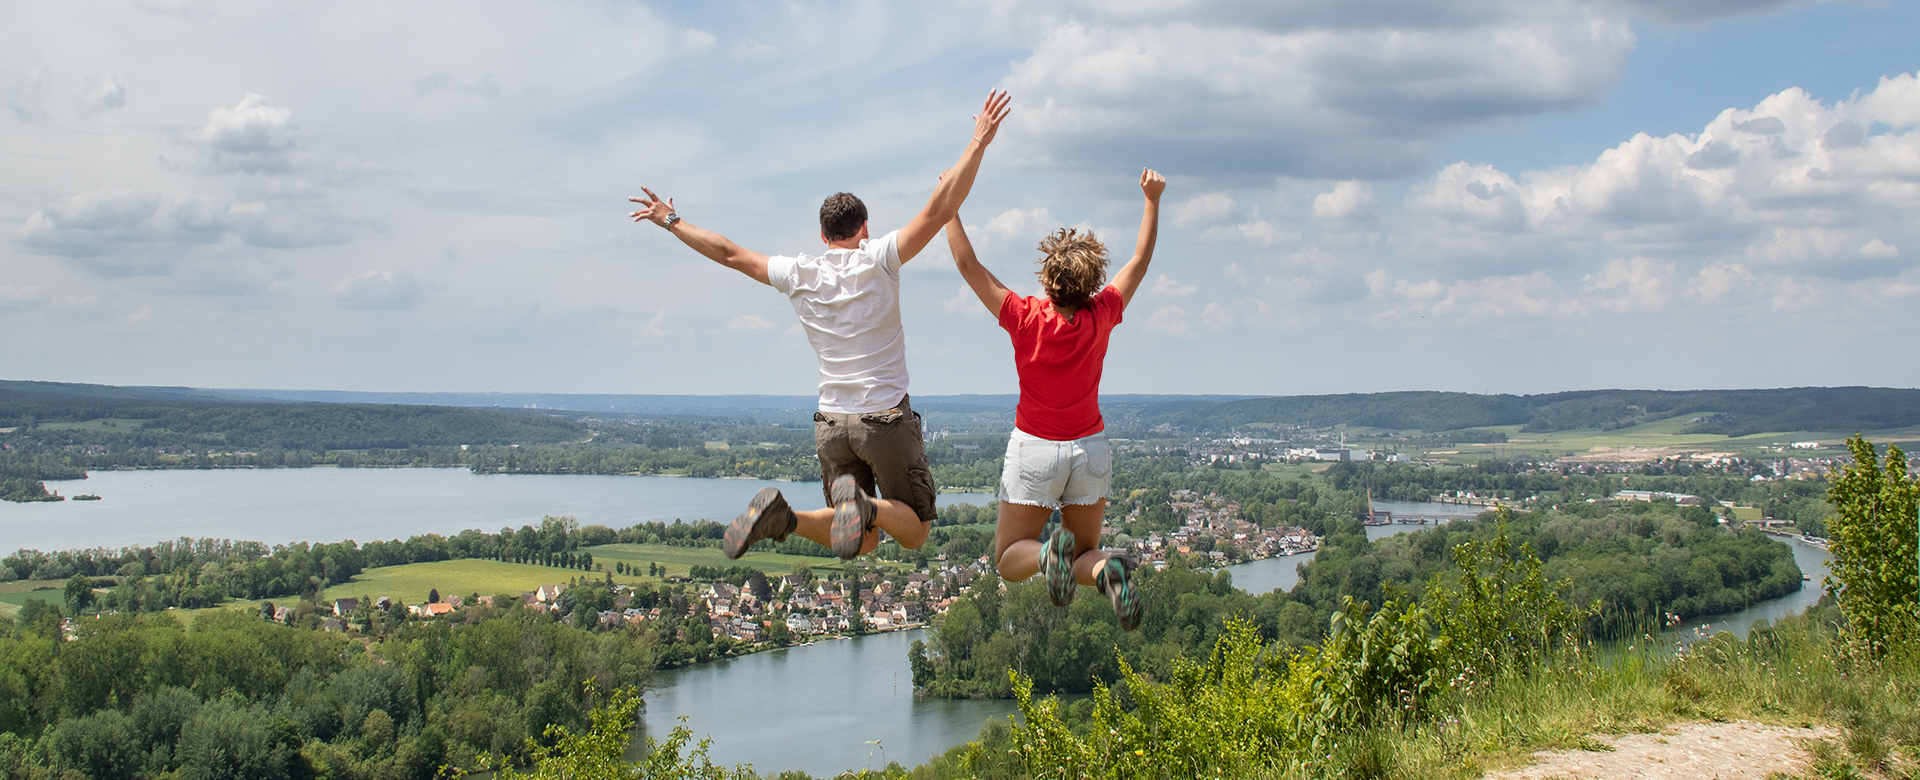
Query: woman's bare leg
x,y
1085,520
1016,540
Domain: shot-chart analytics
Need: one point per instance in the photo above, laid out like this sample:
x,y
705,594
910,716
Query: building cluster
x,y
883,600
1212,517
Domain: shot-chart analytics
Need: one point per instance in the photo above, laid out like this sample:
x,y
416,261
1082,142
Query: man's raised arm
x,y
953,188
716,247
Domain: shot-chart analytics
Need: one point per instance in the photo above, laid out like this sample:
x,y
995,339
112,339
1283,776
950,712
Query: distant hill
x,y
1729,412
407,419
176,416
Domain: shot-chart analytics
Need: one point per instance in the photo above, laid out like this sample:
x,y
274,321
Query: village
x,y
806,606
1212,528
801,604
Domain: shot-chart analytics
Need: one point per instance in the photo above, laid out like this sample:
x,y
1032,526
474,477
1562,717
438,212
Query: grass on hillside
x,y
1797,675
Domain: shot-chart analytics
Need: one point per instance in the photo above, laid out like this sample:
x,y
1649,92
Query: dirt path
x,y
1688,751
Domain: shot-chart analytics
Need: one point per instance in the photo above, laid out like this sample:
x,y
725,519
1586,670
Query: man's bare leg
x,y
894,517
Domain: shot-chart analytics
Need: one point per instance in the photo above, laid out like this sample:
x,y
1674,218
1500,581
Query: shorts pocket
x,y
1099,459
1039,462
925,496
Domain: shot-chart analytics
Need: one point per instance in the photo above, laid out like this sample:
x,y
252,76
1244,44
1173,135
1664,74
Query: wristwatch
x,y
672,219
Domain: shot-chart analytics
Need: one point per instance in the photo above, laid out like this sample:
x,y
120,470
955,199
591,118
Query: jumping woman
x,y
1058,456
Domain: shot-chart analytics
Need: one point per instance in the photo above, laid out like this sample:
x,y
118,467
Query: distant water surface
x,y
278,506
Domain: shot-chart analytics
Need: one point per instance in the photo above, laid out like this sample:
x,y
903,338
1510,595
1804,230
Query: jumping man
x,y
848,300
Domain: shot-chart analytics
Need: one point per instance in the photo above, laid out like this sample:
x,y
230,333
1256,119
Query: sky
x,y
1518,196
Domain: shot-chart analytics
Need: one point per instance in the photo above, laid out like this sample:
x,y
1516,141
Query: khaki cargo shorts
x,y
881,449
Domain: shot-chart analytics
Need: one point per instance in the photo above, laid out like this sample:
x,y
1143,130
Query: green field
x,y
102,424
14,595
679,559
410,583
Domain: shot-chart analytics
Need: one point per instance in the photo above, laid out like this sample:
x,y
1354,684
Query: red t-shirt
x,y
1060,363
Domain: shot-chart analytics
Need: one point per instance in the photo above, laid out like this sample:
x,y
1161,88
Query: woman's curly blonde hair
x,y
1073,266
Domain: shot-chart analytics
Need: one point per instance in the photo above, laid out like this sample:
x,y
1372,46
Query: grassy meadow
x,y
14,595
679,559
410,583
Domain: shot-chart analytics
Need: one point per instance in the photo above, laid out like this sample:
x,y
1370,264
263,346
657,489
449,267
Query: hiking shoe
x,y
853,514
1056,564
767,517
1116,580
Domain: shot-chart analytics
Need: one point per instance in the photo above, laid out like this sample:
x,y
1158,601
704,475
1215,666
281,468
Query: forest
x,y
1631,565
1729,412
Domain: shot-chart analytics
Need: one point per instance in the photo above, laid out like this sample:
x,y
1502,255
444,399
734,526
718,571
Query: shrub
x,y
1873,536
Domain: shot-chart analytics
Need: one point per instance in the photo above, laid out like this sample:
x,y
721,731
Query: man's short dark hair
x,y
841,216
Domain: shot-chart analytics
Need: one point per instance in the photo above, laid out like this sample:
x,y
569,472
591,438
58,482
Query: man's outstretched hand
x,y
987,122
652,208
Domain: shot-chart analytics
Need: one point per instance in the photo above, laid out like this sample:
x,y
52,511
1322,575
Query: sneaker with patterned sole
x,y
767,517
853,514
1056,564
1116,580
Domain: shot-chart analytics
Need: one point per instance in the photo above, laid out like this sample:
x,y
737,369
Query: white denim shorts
x,y
1048,473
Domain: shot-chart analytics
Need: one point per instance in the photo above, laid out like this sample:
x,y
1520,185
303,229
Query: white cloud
x,y
656,327
1878,248
1021,225
250,137
1768,187
1333,91
1165,285
21,298
379,291
100,95
25,90
123,221
1203,210
1170,320
1260,233
1501,296
1717,280
694,39
749,322
1633,284
1349,200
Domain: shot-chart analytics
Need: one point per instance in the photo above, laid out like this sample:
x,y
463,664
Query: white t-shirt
x,y
849,302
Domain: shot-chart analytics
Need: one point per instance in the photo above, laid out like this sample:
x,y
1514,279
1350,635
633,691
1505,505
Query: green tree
x,y
79,593
1873,536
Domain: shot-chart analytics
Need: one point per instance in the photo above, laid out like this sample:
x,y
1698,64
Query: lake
x,y
1283,572
816,708
278,506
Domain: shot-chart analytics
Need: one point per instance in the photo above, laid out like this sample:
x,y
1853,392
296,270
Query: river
x,y
826,708
1283,572
278,506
